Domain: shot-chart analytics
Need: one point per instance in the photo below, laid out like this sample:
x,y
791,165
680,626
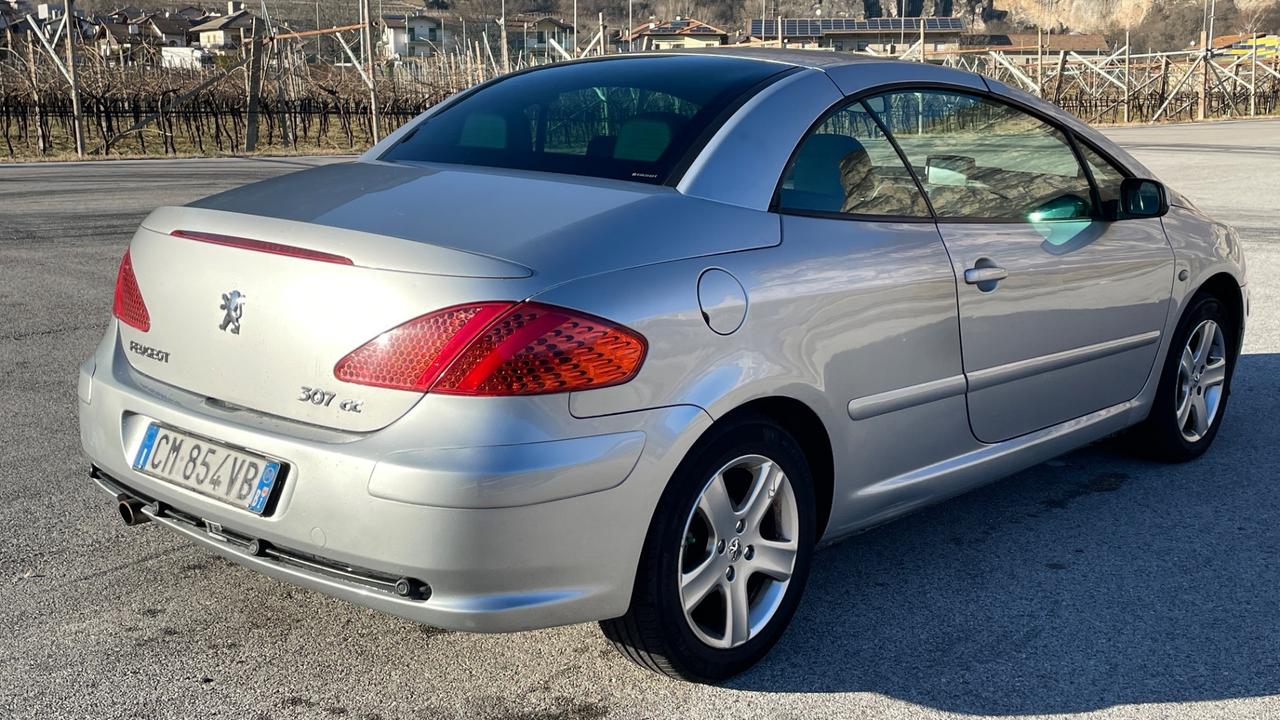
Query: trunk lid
x,y
561,226
298,317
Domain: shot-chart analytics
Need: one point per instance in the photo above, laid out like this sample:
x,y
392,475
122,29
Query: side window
x,y
846,165
1105,175
980,159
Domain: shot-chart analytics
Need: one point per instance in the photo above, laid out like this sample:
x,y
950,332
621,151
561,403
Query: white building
x,y
412,36
187,58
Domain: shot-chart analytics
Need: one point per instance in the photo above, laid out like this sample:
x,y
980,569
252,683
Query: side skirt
x,y
902,494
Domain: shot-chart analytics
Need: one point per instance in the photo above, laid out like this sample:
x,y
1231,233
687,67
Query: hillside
x,y
1110,15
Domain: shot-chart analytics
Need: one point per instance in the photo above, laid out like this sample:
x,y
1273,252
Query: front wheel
x,y
726,558
1195,384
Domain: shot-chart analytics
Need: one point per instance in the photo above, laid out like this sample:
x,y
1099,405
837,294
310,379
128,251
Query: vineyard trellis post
x,y
253,87
1253,76
67,74
1128,84
1062,70
1040,61
370,53
42,142
71,30
1202,111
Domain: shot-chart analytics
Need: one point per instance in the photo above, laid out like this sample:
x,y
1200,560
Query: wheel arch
x,y
1226,289
800,420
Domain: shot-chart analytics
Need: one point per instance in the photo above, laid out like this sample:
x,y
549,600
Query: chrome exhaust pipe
x,y
131,511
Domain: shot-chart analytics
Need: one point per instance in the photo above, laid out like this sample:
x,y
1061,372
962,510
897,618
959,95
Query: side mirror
x,y
1065,207
1140,198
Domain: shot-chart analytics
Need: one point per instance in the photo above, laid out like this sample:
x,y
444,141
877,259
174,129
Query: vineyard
x,y
276,101
143,109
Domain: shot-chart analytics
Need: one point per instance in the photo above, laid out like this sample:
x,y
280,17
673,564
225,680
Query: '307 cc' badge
x,y
233,309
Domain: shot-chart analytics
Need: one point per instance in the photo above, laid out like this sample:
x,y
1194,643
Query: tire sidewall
x,y
661,558
1164,410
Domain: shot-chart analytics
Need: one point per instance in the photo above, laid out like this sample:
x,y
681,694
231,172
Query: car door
x,y
1060,311
868,270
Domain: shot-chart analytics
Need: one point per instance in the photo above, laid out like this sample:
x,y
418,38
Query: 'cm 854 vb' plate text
x,y
235,477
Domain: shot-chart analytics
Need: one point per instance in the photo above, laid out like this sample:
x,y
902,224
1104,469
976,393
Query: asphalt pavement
x,y
1094,585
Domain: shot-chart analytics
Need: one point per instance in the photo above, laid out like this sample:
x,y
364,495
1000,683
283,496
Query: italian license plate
x,y
233,476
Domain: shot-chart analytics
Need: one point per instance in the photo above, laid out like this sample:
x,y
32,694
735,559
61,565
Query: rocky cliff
x,y
1074,15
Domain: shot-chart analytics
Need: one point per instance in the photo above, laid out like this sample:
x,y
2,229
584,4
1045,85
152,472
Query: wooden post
x,y
76,114
253,80
42,142
367,37
1164,81
1128,85
1202,110
1040,61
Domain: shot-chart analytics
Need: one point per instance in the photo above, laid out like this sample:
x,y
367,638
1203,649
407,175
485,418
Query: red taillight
x,y
411,356
535,348
262,246
129,306
497,349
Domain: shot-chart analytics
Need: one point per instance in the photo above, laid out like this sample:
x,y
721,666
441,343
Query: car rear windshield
x,y
628,118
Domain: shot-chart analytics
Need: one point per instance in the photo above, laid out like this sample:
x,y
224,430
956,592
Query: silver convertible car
x,y
625,339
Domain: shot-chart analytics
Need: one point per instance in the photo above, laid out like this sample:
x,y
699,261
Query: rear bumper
x,y
538,522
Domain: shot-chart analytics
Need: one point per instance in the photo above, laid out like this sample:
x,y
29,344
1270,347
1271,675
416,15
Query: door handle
x,y
988,274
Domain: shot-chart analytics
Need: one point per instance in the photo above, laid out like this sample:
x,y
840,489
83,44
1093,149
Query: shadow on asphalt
x,y
1094,580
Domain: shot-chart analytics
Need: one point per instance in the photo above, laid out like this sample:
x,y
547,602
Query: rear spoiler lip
x,y
365,250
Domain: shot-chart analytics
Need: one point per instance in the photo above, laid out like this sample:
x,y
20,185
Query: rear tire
x,y
1195,384
713,550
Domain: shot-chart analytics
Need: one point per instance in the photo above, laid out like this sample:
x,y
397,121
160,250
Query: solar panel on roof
x,y
813,27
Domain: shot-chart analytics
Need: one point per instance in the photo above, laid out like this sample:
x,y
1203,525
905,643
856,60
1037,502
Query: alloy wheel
x,y
1202,376
739,550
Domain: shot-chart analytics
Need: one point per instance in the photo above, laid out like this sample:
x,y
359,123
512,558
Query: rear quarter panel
x,y
843,311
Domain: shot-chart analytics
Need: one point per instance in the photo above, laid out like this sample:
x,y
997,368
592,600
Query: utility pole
x,y
631,24
1213,12
1211,9
902,25
76,114
371,62
922,56
502,35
